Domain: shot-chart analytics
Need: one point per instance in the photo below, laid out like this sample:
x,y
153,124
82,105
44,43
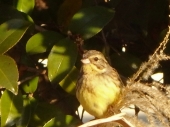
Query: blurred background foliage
x,y
41,42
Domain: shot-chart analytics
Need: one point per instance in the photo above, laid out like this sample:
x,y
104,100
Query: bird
x,y
99,86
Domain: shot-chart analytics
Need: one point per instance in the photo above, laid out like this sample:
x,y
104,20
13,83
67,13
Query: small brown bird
x,y
99,85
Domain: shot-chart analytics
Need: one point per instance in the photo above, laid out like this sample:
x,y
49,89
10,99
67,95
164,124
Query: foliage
x,y
34,31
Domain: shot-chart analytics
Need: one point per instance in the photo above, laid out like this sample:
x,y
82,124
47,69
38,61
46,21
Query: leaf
x,y
30,105
63,121
42,41
42,112
69,82
11,108
8,74
28,109
25,6
31,85
10,13
11,32
66,11
61,60
89,21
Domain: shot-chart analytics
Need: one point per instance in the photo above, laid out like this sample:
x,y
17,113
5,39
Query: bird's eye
x,y
96,58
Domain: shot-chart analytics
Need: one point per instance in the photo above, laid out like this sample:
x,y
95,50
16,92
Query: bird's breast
x,y
97,93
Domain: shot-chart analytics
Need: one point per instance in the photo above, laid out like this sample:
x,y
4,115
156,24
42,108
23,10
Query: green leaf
x,y
11,32
89,21
42,41
31,85
61,60
28,109
63,121
25,6
69,82
8,74
11,108
42,113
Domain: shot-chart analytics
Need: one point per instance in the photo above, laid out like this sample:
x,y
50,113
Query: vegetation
x,y
34,31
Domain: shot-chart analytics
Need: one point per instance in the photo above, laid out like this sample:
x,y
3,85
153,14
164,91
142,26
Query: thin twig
x,y
28,78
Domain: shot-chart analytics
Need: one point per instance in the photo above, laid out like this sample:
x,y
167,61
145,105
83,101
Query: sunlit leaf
x,y
31,85
89,21
42,41
25,6
11,108
8,74
69,82
61,60
11,32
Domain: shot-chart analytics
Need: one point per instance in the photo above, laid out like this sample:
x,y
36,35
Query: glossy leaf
x,y
69,82
25,6
11,32
61,60
11,108
63,121
42,41
8,74
31,85
89,21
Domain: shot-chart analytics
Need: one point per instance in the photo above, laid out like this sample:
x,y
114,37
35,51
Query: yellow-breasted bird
x,y
99,85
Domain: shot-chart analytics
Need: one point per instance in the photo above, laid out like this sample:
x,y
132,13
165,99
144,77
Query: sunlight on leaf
x,y
43,41
89,21
11,108
8,74
11,32
25,6
69,82
61,60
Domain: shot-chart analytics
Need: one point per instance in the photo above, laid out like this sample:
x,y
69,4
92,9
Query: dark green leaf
x,y
10,13
29,106
66,11
42,113
127,64
61,60
63,121
69,82
42,41
8,74
11,32
11,108
89,21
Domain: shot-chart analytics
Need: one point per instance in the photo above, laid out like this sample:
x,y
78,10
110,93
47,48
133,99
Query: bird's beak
x,y
85,61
